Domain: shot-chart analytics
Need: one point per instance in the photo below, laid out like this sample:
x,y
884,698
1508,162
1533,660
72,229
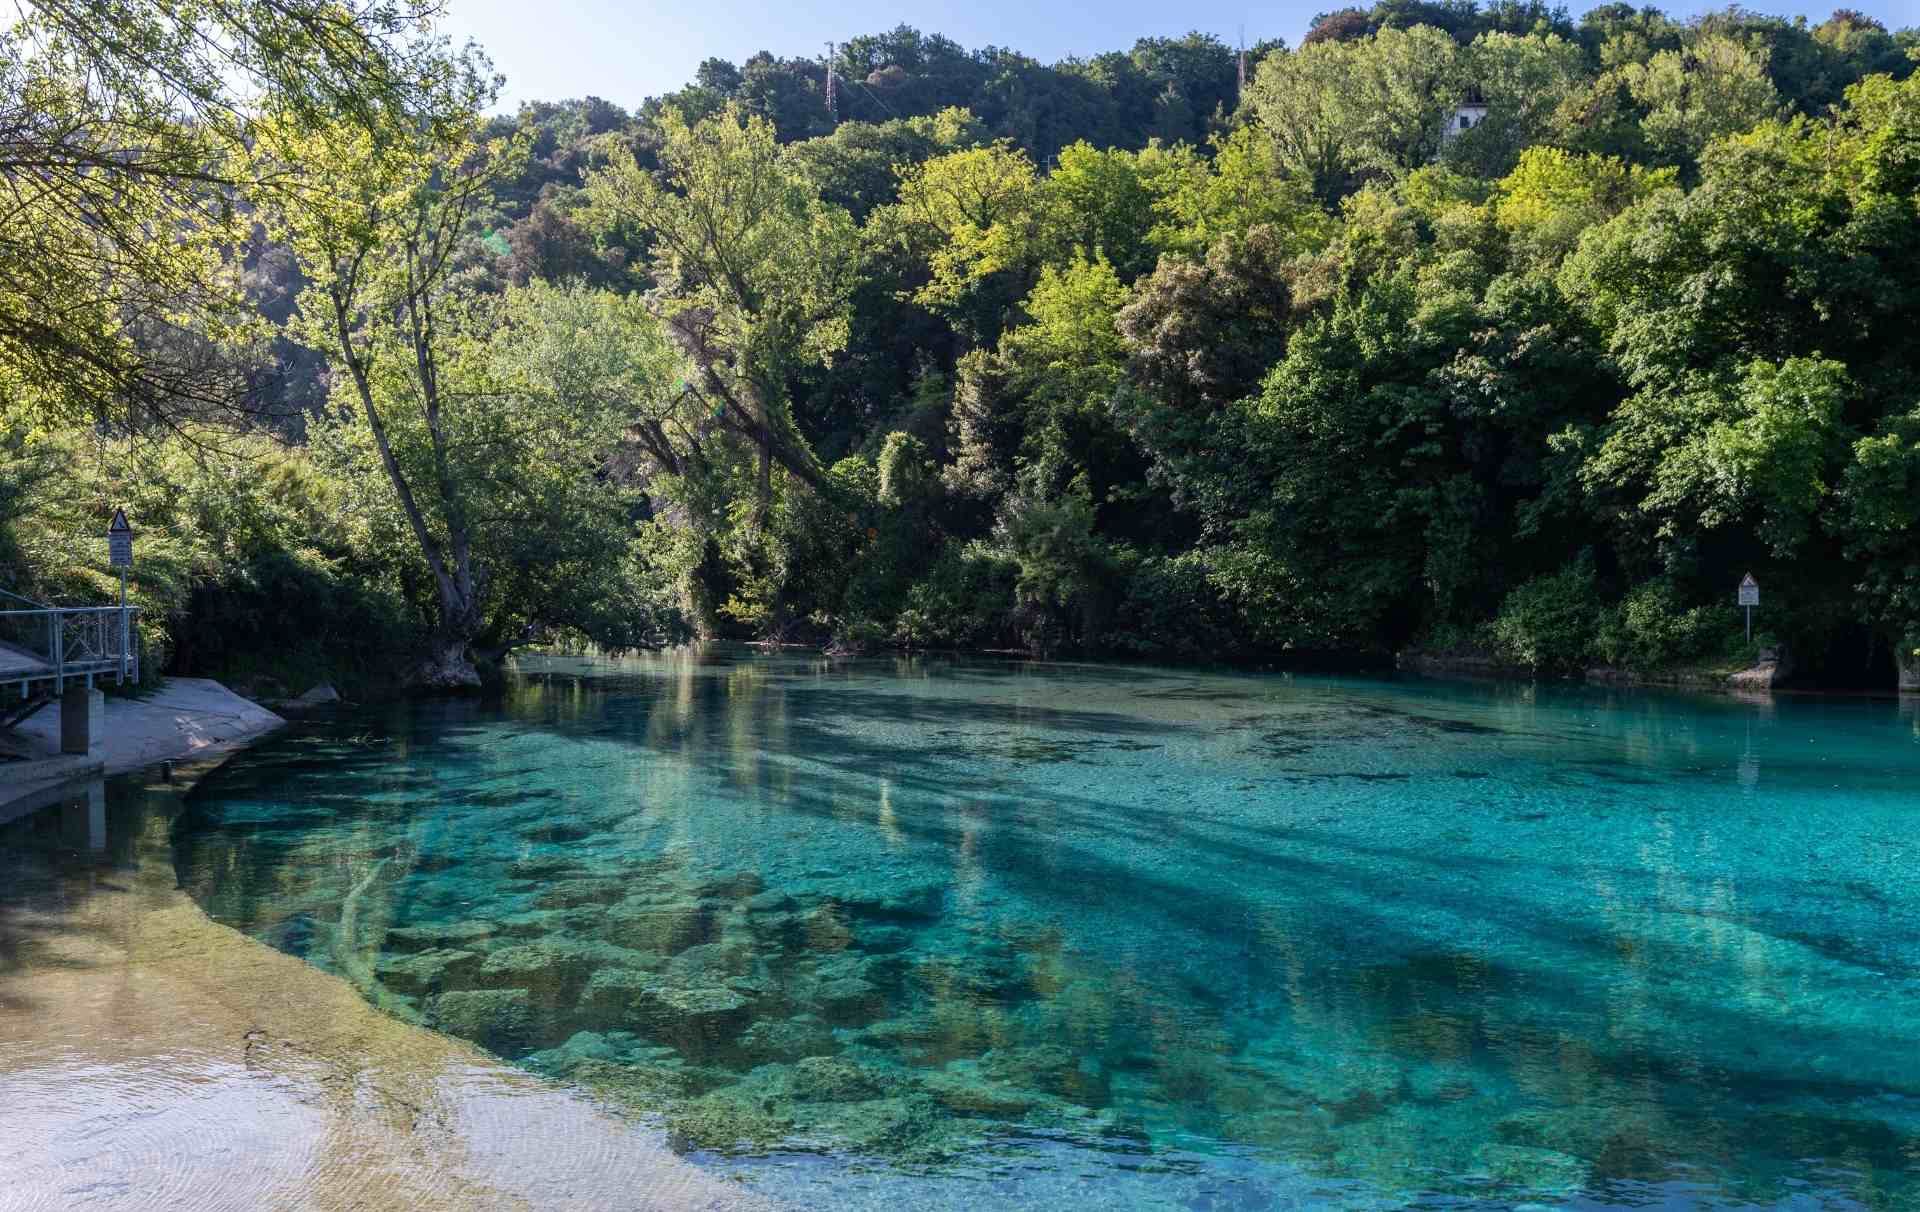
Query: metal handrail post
x,y
57,627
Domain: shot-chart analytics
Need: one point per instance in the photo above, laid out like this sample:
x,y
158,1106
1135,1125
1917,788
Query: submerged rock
x,y
906,1127
825,929
642,1087
541,866
698,1022
557,831
1540,1171
581,1047
701,1004
499,1019
772,901
618,992
1620,1143
907,1031
727,1120
849,1001
1049,1067
969,976
737,887
544,964
438,934
426,971
828,1079
531,924
788,1039
318,696
961,1087
570,894
883,940
895,897
666,928
874,969
709,964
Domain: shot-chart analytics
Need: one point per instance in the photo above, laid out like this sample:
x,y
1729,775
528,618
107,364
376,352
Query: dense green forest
x,y
1462,327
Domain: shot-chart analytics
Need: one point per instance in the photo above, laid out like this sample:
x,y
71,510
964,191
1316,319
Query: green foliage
x,y
1172,607
1047,536
246,561
1071,350
1552,197
1880,495
1714,87
1653,627
961,601
973,217
1083,358
1339,110
1530,84
908,475
130,144
752,274
858,166
1549,623
1098,204
1760,450
1200,201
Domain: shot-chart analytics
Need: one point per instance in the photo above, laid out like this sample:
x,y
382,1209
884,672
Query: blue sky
x,y
551,49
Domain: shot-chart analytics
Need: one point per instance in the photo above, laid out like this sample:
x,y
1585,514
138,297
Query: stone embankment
x,y
1772,668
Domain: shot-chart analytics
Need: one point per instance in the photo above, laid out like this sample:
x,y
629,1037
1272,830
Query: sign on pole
x,y
1749,597
120,541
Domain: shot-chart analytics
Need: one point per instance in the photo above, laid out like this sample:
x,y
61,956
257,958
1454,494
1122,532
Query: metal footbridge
x,y
45,648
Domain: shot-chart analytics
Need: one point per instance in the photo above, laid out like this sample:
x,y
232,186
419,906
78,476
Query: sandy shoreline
x,y
151,1058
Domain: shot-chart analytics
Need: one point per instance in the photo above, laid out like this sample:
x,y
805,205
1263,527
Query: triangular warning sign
x,y
1747,582
119,524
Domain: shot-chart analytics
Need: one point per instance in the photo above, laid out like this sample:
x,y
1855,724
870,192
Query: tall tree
x,y
1339,111
751,272
971,216
376,221
1714,87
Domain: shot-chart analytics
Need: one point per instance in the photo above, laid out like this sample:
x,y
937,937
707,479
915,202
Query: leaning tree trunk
x,y
448,662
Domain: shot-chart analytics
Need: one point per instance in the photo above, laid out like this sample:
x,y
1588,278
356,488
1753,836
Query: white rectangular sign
x,y
1749,591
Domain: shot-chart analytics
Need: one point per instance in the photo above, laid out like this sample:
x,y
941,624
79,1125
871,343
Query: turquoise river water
x,y
948,933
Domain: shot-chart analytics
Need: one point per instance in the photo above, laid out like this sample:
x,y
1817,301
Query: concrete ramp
x,y
185,719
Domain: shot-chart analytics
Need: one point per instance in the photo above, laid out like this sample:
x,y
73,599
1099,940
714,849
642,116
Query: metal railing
x,y
59,644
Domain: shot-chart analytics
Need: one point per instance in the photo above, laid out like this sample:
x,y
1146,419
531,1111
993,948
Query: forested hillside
x,y
1464,327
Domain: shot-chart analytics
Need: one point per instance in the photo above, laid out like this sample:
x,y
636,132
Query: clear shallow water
x,y
998,935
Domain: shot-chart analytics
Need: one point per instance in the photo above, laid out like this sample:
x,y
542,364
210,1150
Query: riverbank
x,y
186,719
151,1058
1766,674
